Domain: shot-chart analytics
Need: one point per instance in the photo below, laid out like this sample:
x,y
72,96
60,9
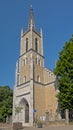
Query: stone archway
x,y
25,110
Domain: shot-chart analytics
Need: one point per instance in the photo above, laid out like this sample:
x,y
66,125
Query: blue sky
x,y
55,17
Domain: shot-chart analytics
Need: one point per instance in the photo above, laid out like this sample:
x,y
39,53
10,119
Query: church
x,y
35,87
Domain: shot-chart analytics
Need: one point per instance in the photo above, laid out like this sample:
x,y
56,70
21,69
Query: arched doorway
x,y
26,113
25,109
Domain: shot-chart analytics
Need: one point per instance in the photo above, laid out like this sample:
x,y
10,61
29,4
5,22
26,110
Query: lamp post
x,y
34,112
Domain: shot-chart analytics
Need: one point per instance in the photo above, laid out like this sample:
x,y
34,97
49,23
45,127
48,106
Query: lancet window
x,y
26,44
36,44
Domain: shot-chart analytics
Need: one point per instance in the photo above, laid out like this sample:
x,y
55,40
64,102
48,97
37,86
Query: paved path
x,y
68,127
52,128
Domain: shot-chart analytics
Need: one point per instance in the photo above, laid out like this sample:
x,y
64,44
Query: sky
x,y
55,17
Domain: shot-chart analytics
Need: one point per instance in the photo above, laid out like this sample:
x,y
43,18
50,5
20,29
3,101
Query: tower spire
x,y
31,24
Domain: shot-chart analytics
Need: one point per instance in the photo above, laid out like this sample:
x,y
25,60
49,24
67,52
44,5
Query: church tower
x,y
34,85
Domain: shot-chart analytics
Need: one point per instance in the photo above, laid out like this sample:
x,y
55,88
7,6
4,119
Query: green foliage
x,y
64,72
18,109
6,99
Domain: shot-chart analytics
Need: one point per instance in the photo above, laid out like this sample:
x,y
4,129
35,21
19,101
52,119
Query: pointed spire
x,y
31,24
41,39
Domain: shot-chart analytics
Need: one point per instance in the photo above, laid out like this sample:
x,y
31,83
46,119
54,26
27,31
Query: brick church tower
x,y
34,89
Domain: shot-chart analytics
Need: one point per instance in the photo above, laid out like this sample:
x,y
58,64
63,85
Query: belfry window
x,y
36,44
26,44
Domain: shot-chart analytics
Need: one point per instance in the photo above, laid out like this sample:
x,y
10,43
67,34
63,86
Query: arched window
x,y
26,44
36,60
24,79
36,44
38,78
39,62
26,61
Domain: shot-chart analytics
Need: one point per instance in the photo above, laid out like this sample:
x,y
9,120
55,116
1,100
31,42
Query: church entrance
x,y
24,116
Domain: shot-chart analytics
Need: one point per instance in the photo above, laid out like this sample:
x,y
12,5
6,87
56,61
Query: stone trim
x,y
29,51
44,84
25,84
23,94
29,31
50,83
20,86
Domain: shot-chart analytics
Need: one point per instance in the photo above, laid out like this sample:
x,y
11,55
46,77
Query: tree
x,y
6,99
18,110
64,72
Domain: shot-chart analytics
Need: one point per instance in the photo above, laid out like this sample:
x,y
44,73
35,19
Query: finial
x,y
41,32
30,6
22,32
